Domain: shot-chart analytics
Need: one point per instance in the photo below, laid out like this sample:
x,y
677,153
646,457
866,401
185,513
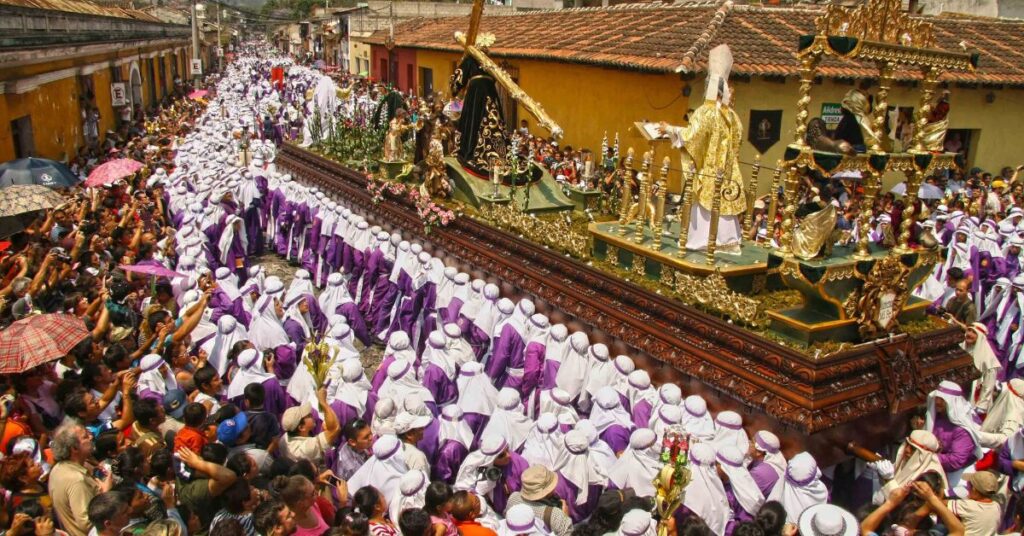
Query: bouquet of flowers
x,y
376,189
670,484
430,213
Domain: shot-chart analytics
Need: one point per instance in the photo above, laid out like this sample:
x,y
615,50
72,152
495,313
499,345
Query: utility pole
x,y
195,37
220,55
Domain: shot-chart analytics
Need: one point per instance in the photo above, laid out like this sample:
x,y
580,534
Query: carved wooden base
x,y
813,404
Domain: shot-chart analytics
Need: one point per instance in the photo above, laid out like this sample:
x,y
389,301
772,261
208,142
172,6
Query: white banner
x,y
118,94
197,67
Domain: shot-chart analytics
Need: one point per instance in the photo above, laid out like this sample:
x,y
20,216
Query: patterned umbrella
x,y
39,339
113,170
23,198
37,171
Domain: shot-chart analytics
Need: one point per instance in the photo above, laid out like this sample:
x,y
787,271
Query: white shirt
x,y
414,458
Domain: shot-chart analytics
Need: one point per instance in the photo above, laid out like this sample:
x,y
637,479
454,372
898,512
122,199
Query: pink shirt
x,y
321,526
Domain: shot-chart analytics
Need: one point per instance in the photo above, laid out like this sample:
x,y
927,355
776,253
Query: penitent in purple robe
x,y
359,258
511,481
377,267
533,368
429,444
508,356
957,449
221,304
355,321
295,333
384,297
275,399
617,437
310,246
439,384
450,314
253,228
642,414
237,260
285,362
283,223
567,491
765,476
739,515
550,372
381,373
300,218
449,460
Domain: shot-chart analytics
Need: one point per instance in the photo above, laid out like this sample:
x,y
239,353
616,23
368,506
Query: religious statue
x,y
933,135
435,175
815,228
711,144
482,123
394,146
855,125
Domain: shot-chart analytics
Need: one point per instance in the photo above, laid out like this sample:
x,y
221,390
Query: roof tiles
x,y
659,37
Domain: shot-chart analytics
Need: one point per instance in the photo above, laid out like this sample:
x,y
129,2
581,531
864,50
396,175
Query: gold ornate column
x,y
929,82
645,195
789,212
627,192
748,222
808,67
684,210
716,208
881,105
909,212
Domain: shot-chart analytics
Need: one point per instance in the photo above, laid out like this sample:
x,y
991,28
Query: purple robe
x,y
275,400
550,372
311,245
449,459
221,305
355,321
567,491
237,259
765,476
439,385
450,313
533,368
285,362
381,373
377,267
295,333
356,271
380,308
957,446
508,354
642,414
253,228
739,514
429,444
511,481
617,437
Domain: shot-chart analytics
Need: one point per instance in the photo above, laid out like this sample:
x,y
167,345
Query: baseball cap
x,y
984,482
229,430
175,401
294,415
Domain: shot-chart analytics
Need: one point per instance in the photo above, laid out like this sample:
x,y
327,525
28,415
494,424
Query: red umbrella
x,y
113,170
149,269
39,339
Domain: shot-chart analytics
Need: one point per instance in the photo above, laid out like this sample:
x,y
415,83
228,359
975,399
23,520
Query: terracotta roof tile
x,y
660,37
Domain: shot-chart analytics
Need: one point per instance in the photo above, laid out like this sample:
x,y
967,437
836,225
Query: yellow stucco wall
x,y
588,101
359,50
994,145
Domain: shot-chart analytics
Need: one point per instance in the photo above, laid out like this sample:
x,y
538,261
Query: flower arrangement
x,y
431,214
671,482
379,188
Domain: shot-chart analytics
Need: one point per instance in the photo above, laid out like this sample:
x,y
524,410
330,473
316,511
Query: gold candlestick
x,y
684,211
910,214
773,199
752,194
808,66
871,183
789,212
659,208
716,207
627,193
881,106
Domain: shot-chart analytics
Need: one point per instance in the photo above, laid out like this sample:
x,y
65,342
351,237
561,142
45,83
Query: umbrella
x,y
926,191
39,339
22,198
198,94
113,170
149,269
37,171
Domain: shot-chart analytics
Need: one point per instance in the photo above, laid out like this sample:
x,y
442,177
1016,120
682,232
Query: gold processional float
x,y
851,293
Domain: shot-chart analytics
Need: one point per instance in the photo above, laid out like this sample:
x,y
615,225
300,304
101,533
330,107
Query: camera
x,y
490,473
60,254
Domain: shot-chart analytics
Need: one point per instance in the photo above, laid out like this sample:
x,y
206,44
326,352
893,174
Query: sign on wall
x,y
118,94
197,67
831,113
764,129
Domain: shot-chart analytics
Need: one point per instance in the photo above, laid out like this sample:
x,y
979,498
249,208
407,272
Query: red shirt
x,y
191,438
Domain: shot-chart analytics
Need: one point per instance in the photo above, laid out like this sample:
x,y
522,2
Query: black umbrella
x,y
37,171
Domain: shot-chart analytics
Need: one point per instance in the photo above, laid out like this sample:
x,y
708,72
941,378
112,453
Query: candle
x,y
588,168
